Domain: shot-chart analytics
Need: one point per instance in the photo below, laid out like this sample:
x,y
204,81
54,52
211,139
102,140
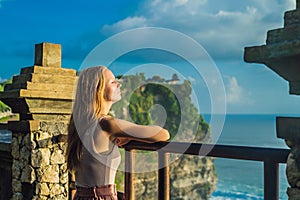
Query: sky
x,y
223,28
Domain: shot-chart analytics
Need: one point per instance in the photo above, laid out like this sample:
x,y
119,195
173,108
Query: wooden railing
x,y
271,157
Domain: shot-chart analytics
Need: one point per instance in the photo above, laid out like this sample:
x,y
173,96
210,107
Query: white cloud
x,y
235,93
128,23
224,30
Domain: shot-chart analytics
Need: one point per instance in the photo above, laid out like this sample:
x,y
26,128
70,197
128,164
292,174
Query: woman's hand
x,y
121,141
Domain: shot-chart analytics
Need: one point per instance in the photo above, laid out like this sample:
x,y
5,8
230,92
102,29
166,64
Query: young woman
x,y
94,137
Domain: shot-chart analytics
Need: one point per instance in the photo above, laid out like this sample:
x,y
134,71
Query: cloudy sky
x,y
222,28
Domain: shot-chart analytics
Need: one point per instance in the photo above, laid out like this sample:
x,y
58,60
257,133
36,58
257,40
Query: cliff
x,y
169,105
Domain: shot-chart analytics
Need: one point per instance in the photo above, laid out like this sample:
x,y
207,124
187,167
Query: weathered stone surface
x,y
40,157
49,106
56,128
293,193
48,55
64,174
48,174
42,189
16,169
57,157
59,197
291,17
15,148
64,118
24,155
56,189
40,197
293,167
48,70
28,174
289,33
17,186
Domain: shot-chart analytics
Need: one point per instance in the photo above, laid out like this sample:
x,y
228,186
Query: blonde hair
x,y
88,107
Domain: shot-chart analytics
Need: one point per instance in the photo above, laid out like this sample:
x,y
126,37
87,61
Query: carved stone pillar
x,y
281,53
42,96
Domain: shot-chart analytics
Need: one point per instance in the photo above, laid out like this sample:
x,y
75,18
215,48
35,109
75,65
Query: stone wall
x,y
39,168
5,171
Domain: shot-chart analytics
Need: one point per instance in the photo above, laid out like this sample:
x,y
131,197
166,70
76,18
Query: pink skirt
x,y
106,192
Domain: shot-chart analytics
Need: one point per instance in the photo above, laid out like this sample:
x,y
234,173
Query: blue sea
x,y
237,179
243,180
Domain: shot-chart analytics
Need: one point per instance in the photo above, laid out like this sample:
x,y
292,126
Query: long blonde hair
x,y
88,107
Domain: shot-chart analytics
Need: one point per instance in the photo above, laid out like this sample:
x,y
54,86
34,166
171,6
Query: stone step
x,y
291,17
39,86
44,78
49,106
289,33
48,70
39,106
288,128
43,94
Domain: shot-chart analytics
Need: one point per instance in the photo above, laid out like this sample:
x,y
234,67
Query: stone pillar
x,y
281,53
42,96
288,128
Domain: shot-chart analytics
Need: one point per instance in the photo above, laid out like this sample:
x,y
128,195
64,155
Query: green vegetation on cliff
x,y
147,101
167,103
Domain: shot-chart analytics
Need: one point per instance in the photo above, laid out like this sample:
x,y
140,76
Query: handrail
x,y
270,156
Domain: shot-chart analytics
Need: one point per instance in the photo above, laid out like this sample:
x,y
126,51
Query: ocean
x,y
243,180
238,179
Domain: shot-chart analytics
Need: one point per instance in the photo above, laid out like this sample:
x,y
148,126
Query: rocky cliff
x,y
192,177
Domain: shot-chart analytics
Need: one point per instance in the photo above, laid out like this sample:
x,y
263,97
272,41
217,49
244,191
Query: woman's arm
x,y
122,128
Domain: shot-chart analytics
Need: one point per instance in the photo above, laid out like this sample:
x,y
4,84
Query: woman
x,y
94,137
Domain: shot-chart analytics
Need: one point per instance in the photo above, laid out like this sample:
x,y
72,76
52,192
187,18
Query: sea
x,y
238,179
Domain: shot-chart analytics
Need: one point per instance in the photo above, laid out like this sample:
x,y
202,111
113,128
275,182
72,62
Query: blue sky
x,y
223,28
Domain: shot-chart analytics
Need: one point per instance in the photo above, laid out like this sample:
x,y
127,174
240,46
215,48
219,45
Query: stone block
x,y
47,55
48,174
57,157
42,189
16,169
28,174
56,189
17,186
40,157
